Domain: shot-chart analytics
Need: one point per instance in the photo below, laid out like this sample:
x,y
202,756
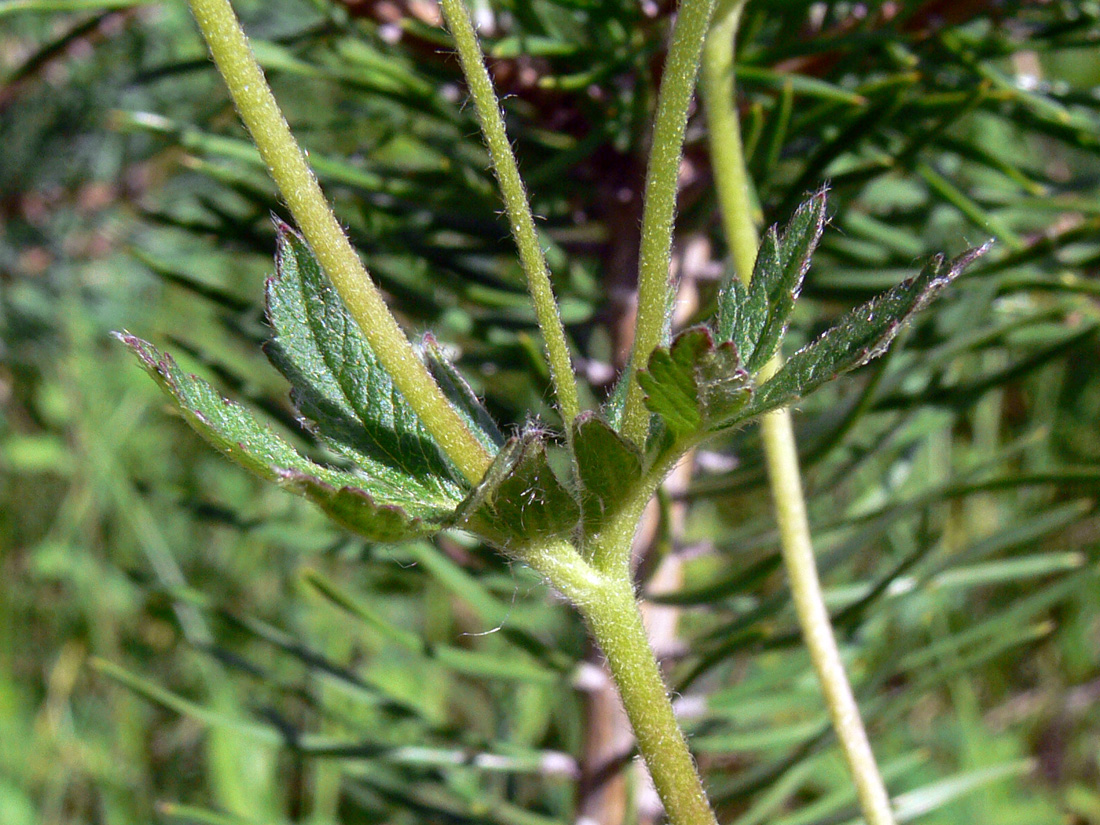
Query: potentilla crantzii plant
x,y
419,453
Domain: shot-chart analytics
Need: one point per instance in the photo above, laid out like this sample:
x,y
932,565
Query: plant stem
x,y
727,155
610,549
611,612
516,205
661,186
288,167
732,182
817,630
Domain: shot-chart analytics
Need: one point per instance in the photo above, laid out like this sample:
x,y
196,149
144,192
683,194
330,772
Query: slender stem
x,y
613,617
516,205
817,630
658,212
732,183
724,133
610,549
295,180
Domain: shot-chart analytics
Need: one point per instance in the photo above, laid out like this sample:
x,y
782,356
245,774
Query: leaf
x,y
376,508
339,384
695,386
607,465
456,389
728,323
923,800
755,320
860,336
520,501
613,407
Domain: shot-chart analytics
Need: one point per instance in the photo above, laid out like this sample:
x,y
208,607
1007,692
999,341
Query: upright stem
x,y
732,182
661,185
817,629
516,205
611,612
727,155
295,180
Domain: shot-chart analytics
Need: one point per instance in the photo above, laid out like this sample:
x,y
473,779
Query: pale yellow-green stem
x,y
610,609
734,198
296,182
516,205
659,209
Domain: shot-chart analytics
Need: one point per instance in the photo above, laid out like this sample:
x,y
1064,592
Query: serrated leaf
x,y
728,326
456,389
755,319
520,501
374,508
860,336
695,386
613,407
607,466
341,387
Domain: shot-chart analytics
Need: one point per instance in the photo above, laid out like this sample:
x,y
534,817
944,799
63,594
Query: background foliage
x,y
176,636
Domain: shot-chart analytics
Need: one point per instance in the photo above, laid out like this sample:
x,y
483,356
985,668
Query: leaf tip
x,y
964,260
282,228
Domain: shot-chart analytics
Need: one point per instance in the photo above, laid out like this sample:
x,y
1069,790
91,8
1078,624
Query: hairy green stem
x,y
610,610
296,182
733,186
610,549
516,205
817,629
727,155
616,623
659,209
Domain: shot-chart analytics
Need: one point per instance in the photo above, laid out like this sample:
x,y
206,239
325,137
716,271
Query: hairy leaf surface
x,y
521,501
695,386
755,319
607,466
339,384
860,336
376,508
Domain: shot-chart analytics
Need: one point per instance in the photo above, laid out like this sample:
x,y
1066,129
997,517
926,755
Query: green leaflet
x,y
376,508
695,386
521,502
756,319
341,387
606,465
730,323
456,389
613,407
860,336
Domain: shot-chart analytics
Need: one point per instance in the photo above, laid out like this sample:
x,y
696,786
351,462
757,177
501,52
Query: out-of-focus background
x,y
180,643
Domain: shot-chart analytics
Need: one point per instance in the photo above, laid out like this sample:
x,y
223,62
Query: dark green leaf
x,y
861,335
729,324
756,320
607,466
695,386
376,508
339,384
520,501
613,407
456,389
